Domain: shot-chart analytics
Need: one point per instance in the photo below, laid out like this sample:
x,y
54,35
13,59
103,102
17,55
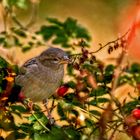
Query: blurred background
x,y
102,18
105,20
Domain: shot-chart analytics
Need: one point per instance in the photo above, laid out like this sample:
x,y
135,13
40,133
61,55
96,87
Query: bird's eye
x,y
55,59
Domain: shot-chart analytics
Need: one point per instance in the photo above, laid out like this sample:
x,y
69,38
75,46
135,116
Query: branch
x,y
101,47
4,16
32,20
113,133
33,15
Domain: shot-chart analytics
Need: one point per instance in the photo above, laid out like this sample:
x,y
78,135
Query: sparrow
x,y
39,77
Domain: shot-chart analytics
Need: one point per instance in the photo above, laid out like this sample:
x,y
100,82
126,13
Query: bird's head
x,y
53,57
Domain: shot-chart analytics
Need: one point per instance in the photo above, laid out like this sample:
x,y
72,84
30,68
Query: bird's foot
x,y
29,104
49,116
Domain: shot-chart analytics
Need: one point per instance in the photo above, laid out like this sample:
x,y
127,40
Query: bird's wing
x,y
30,63
28,66
27,71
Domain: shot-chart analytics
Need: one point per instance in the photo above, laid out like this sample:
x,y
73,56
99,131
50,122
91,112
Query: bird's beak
x,y
65,60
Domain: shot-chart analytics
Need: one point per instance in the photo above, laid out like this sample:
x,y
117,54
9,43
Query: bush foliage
x,y
90,108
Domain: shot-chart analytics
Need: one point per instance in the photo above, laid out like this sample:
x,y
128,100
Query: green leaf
x,y
69,97
70,69
25,127
60,39
38,126
71,84
128,107
137,77
61,112
38,136
109,70
102,100
82,33
65,45
3,63
2,40
100,91
18,108
48,31
135,68
19,32
95,112
54,21
89,122
72,134
70,25
90,67
57,134
94,102
125,79
63,32
16,41
26,48
20,135
37,114
75,112
1,89
18,3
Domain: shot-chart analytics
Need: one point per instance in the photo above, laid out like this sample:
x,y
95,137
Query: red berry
x,y
136,113
136,132
21,96
62,90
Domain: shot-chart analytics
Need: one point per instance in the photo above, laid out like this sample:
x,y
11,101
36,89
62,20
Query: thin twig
x,y
82,127
31,21
101,47
5,16
52,106
85,111
17,21
34,14
115,129
113,111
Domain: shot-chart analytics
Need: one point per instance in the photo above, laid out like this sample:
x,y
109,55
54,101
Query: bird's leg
x,y
50,118
29,104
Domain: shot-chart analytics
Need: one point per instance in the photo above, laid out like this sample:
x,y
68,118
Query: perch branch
x,y
103,46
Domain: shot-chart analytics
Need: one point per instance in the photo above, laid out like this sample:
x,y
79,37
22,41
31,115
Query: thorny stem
x,y
103,46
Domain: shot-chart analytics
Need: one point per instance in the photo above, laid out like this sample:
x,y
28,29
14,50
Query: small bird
x,y
40,76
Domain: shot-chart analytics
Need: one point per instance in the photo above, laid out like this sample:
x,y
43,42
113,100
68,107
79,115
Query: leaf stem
x,y
40,122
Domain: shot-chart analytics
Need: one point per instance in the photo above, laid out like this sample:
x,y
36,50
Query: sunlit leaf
x,y
95,112
18,108
61,111
128,107
100,91
3,63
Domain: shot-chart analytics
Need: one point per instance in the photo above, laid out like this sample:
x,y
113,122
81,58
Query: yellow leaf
x,y
9,79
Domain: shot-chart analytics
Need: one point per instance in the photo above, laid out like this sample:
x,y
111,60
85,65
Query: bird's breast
x,y
42,83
